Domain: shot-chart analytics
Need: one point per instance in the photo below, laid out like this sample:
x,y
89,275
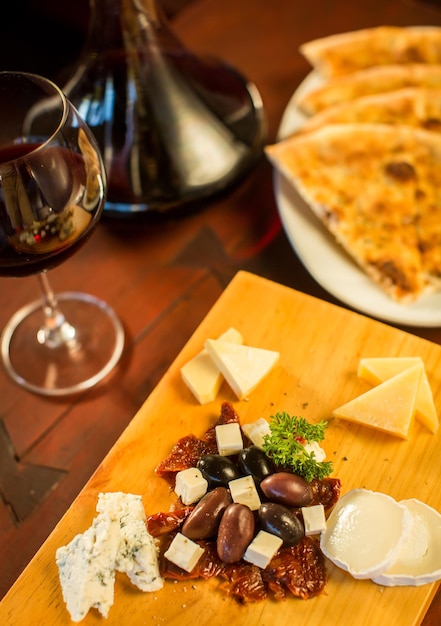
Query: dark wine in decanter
x,y
173,128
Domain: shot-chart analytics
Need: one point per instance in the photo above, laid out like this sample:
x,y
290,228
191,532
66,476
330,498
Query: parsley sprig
x,y
283,447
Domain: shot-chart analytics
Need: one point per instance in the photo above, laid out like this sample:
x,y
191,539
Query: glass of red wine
x,y
52,193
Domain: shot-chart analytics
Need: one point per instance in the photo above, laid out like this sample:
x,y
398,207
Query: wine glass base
x,y
90,352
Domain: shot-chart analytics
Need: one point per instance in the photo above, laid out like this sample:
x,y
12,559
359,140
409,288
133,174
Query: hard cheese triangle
x,y
201,375
389,407
377,370
243,367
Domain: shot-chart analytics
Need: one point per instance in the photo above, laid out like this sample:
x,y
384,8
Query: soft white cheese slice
x,y
365,532
376,370
136,555
243,367
419,560
86,568
201,375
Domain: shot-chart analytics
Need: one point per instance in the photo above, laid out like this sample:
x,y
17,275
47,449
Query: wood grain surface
x,y
320,345
161,278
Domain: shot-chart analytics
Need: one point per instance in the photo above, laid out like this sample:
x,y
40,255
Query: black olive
x,y
280,521
217,470
254,461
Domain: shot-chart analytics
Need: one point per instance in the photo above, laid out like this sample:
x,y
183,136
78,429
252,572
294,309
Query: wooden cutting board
x,y
320,345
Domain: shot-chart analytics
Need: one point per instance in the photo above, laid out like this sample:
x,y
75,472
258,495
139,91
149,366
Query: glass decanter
x,y
174,129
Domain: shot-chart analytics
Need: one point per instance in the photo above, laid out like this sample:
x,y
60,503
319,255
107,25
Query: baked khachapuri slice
x,y
366,82
348,52
377,189
416,106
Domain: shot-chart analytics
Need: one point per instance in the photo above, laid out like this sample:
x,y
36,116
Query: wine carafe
x,y
174,129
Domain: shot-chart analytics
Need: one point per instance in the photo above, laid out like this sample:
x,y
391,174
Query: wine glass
x,y
52,193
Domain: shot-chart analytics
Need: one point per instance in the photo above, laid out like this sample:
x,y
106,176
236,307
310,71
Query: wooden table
x,y
162,278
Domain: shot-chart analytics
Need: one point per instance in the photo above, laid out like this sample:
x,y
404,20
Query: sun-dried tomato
x,y
185,453
227,415
188,450
160,524
243,581
298,569
326,491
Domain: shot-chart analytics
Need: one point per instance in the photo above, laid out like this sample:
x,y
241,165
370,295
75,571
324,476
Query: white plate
x,y
326,261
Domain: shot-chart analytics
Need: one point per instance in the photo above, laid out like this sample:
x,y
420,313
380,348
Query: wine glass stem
x,y
56,330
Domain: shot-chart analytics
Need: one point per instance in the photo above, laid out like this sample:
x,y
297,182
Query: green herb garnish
x,y
284,445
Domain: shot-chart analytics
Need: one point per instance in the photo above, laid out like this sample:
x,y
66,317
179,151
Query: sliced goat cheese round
x,y
419,560
365,532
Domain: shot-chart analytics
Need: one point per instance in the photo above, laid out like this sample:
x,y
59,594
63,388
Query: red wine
x,y
43,216
174,128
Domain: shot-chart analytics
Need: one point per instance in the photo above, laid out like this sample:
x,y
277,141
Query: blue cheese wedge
x,y
243,367
201,375
136,555
117,540
86,568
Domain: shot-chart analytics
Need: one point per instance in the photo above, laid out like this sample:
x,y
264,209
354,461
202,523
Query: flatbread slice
x,y
373,80
416,106
345,53
377,189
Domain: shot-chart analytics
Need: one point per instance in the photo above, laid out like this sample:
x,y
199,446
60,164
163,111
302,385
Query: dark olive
x,y
280,521
236,530
255,462
286,488
203,521
217,470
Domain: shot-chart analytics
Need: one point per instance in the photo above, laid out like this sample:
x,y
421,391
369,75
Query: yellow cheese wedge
x,y
243,367
389,407
201,375
378,369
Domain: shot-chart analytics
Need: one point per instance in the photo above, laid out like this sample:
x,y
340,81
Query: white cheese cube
x,y
202,376
243,490
190,485
184,552
315,447
262,549
314,519
256,431
242,366
229,439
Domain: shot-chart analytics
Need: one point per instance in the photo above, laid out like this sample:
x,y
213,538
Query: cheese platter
x,y
320,346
